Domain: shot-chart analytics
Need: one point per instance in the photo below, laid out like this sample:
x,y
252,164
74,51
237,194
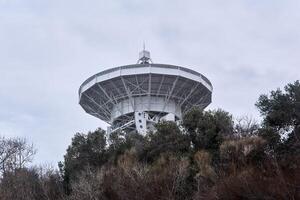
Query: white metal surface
x,y
137,96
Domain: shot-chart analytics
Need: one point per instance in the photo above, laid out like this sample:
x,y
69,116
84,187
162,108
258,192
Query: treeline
x,y
208,156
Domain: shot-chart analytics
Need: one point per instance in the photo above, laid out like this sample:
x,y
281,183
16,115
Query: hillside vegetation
x,y
209,156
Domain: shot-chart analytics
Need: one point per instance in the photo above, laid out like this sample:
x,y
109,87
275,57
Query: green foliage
x,y
281,109
281,112
271,136
208,129
85,151
119,142
167,138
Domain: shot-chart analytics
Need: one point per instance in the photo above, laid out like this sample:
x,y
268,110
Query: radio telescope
x,y
135,97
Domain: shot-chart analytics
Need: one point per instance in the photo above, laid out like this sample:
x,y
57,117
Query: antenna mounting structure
x,y
144,56
133,98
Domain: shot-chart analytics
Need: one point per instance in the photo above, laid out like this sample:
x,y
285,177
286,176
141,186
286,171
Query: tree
x,y
21,184
86,150
50,181
119,142
31,184
207,129
245,126
15,153
281,109
281,112
168,138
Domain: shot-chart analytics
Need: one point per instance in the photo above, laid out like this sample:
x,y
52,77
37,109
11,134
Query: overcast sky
x,y
49,47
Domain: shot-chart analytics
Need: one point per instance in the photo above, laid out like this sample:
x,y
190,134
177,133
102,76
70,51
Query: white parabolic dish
x,y
134,97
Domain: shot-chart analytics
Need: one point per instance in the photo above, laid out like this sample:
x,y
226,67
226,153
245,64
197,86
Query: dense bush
x,y
31,184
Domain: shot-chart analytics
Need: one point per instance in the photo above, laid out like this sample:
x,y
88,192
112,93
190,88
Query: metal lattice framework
x,y
137,96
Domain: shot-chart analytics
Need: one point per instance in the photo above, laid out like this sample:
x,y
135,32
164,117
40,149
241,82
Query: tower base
x,y
142,122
